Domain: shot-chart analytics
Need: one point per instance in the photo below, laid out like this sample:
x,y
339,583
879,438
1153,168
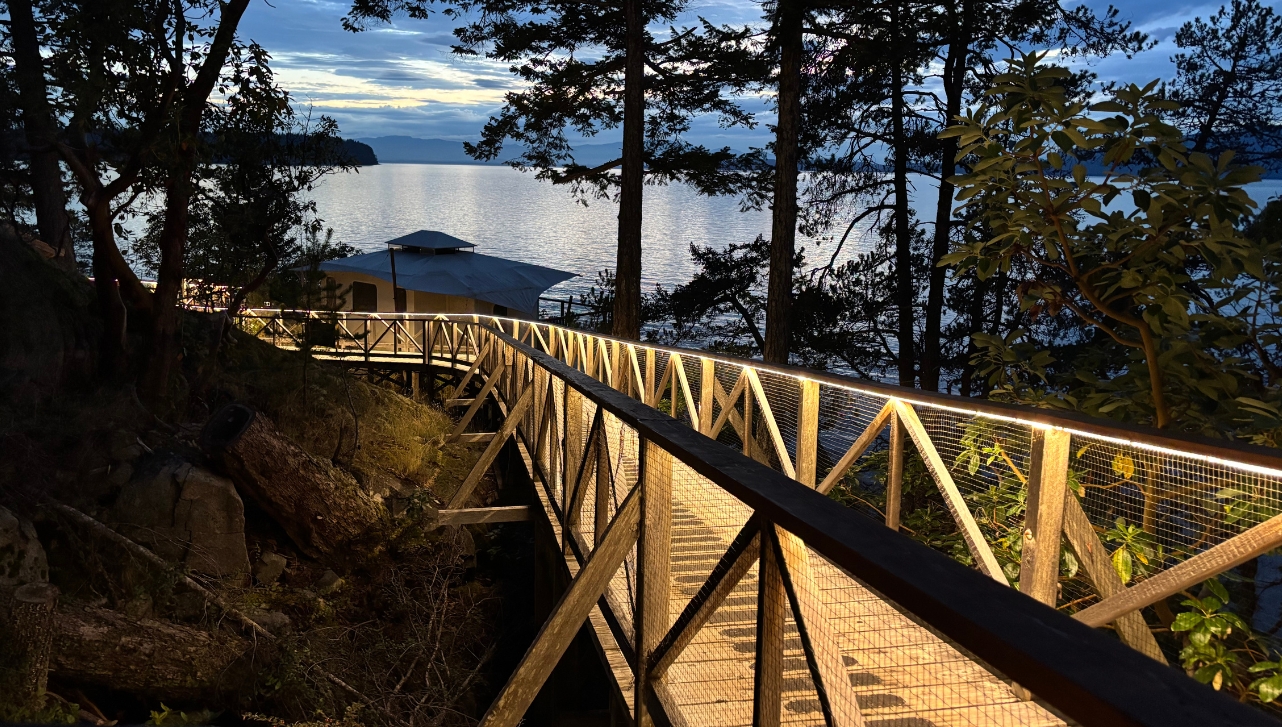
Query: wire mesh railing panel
x,y
622,450
902,671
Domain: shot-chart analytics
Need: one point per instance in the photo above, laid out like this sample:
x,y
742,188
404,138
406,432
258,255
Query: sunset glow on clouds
x,y
404,80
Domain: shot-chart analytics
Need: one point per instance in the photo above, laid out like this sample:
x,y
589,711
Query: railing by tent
x,y
725,586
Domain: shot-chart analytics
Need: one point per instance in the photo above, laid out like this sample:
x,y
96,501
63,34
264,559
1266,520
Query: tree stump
x,y
32,626
320,506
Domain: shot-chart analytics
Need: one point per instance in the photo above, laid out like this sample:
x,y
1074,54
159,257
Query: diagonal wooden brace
x,y
857,449
490,383
567,617
727,573
814,620
971,533
491,451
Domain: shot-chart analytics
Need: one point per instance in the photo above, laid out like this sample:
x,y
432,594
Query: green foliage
x,y
1150,258
167,717
1137,552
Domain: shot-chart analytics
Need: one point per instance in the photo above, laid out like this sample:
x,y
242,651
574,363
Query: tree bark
x,y
627,272
32,620
954,87
320,506
163,347
97,646
37,121
904,292
783,234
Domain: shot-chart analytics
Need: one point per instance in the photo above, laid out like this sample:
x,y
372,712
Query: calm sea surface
x,y
513,215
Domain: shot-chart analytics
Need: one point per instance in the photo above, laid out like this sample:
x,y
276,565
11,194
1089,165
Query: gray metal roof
x,y
430,240
509,283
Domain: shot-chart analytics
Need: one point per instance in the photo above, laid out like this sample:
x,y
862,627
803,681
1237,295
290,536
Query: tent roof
x,y
430,240
509,283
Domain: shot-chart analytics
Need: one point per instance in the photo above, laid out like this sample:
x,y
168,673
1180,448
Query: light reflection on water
x,y
513,215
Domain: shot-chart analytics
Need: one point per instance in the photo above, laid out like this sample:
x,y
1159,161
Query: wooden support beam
x,y
971,533
487,457
895,472
857,449
814,620
475,437
604,478
567,617
808,433
649,388
772,605
1097,564
707,382
490,382
1209,563
459,402
726,574
654,552
1044,514
476,515
781,449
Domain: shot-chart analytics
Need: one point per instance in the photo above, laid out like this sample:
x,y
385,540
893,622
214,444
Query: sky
x,y
402,79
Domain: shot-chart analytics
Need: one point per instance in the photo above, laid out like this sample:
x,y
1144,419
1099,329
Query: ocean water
x,y
510,214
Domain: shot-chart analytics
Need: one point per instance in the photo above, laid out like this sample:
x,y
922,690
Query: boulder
x,y
22,558
186,515
269,569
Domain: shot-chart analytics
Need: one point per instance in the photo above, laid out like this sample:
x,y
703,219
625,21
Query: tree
x,y
48,194
589,68
788,30
1228,83
1160,280
134,82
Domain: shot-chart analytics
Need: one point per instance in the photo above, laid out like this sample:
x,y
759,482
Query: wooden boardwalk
x,y
902,673
674,572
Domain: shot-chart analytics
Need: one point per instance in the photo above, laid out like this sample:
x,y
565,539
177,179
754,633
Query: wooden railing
x,y
627,444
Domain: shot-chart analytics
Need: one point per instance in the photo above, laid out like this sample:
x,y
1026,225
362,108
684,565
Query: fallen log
x,y
320,506
160,659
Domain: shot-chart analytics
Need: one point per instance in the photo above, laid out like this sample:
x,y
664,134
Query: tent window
x,y
364,297
400,300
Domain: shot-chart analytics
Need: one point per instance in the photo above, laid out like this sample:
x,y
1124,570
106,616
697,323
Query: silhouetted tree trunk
x,y
784,213
627,274
904,292
178,190
954,88
37,122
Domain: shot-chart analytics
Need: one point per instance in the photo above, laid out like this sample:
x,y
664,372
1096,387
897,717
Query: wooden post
x,y
895,473
573,442
772,604
707,382
748,420
32,623
604,477
808,433
651,385
414,383
1044,515
653,571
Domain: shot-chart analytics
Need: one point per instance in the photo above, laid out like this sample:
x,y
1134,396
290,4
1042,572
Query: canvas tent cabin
x,y
432,272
